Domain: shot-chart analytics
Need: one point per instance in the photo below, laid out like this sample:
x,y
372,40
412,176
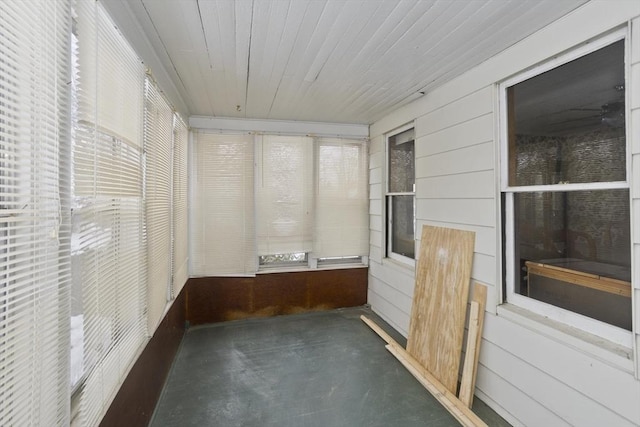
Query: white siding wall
x,y
532,372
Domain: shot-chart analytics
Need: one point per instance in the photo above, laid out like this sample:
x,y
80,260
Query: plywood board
x,y
438,313
474,338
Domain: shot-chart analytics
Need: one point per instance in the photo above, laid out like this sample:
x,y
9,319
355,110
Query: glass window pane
x,y
401,162
573,251
568,125
402,241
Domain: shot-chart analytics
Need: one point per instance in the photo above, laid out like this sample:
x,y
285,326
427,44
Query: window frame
x,y
388,200
506,220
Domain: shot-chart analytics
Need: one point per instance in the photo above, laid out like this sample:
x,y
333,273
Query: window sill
x,y
306,268
608,352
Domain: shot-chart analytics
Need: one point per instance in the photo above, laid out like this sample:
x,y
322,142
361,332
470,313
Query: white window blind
x,y
342,200
222,234
284,194
180,218
34,220
108,251
158,136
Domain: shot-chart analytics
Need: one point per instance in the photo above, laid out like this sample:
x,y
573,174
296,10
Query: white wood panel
x,y
635,41
635,78
457,211
389,312
484,268
471,132
635,125
377,144
375,254
345,130
479,185
391,294
589,21
375,237
401,281
375,176
375,207
592,377
375,222
567,403
376,160
469,107
521,408
375,192
479,157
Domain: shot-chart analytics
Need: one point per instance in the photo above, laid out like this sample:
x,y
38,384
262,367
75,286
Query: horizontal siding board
x,y
459,111
402,281
375,160
391,294
458,211
479,157
376,145
375,207
480,185
375,237
375,222
375,176
375,254
484,268
635,128
390,313
472,132
375,191
522,407
635,94
596,379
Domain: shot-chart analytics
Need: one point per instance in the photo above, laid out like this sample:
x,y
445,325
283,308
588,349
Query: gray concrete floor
x,y
316,369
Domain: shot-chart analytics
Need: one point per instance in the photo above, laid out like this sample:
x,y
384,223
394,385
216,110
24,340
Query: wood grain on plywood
x,y
439,304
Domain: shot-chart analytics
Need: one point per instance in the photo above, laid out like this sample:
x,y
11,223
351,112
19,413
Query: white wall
x,y
532,371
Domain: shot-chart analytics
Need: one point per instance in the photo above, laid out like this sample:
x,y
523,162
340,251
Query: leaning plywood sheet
x,y
438,313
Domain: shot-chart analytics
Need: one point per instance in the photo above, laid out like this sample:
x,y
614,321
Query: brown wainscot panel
x,y
218,299
137,398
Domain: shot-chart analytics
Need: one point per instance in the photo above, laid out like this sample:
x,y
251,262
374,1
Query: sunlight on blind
x,y
34,215
109,259
222,234
180,218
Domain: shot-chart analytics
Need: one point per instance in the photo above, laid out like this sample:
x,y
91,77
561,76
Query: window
x,y
400,198
565,191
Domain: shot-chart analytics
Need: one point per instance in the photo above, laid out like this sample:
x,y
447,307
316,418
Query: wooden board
x,y
440,296
474,338
457,408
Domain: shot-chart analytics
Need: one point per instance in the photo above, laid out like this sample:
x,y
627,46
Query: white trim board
x,y
280,126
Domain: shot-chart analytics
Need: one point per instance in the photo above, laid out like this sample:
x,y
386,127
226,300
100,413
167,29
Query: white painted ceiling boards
x,y
342,61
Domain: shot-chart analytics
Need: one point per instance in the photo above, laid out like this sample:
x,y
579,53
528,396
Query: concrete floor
x,y
316,369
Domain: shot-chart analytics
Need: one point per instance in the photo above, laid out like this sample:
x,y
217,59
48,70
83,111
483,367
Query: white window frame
x,y
388,200
591,326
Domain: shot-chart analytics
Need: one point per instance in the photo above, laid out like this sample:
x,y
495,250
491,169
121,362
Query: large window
x,y
566,213
400,199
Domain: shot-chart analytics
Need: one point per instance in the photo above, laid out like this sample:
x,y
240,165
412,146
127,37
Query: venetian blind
x,y
158,136
109,249
34,220
180,218
342,199
222,234
284,194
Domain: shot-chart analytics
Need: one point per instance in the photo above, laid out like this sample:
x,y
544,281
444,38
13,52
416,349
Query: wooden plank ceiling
x,y
343,61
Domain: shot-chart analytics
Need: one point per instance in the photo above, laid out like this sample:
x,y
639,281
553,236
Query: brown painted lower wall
x,y
136,400
217,299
